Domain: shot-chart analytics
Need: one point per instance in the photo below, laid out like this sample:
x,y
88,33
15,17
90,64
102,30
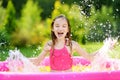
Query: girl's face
x,y
60,28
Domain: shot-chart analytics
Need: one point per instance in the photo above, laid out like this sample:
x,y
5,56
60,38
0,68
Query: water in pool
x,y
102,62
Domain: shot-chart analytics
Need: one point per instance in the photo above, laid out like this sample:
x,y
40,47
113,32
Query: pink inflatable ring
x,y
6,75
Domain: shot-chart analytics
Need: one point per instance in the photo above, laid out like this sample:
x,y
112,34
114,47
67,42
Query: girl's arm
x,y
108,45
42,55
82,52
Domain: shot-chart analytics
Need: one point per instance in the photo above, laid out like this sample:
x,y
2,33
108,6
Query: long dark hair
x,y
68,35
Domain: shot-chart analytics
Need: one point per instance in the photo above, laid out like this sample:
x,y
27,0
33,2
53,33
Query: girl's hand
x,y
35,61
110,43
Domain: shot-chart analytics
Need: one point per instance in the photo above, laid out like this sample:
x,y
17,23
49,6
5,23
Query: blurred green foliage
x,y
10,20
30,28
28,24
4,38
102,24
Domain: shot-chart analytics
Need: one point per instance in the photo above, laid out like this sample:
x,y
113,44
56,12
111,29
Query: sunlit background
x,y
25,24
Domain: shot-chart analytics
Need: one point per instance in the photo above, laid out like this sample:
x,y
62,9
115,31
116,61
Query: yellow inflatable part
x,y
76,68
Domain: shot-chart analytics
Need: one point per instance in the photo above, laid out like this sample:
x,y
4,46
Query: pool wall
x,y
4,75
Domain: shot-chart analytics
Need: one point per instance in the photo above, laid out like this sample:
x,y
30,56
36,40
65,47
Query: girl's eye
x,y
64,26
56,26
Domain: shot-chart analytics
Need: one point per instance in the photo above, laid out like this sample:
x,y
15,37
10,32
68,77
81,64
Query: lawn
x,y
32,51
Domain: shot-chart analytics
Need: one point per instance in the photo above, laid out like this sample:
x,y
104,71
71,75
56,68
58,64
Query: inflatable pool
x,y
5,74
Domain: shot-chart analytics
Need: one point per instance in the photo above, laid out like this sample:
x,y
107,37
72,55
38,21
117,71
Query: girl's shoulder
x,y
74,44
49,43
48,46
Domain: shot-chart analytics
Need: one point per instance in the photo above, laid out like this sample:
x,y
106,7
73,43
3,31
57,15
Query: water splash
x,y
102,60
19,63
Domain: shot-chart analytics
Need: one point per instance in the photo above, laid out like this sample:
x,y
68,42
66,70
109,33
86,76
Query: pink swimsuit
x,y
60,59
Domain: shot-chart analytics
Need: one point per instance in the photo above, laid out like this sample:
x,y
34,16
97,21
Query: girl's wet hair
x,y
68,35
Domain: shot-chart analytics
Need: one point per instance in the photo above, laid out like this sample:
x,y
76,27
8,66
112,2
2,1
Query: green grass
x,y
32,51
91,47
29,51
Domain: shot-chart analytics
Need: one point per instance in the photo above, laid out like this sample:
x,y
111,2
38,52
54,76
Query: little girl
x,y
61,47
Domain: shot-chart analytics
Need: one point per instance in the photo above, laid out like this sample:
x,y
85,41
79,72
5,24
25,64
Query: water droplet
x,y
101,24
117,9
74,2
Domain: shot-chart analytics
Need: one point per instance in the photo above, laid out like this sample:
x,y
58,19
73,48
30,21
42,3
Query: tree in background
x,y
10,23
2,16
47,7
79,12
102,24
28,27
3,33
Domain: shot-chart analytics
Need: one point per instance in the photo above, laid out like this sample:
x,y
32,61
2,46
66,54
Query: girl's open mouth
x,y
60,34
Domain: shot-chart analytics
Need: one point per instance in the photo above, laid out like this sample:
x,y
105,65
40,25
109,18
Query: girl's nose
x,y
60,28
